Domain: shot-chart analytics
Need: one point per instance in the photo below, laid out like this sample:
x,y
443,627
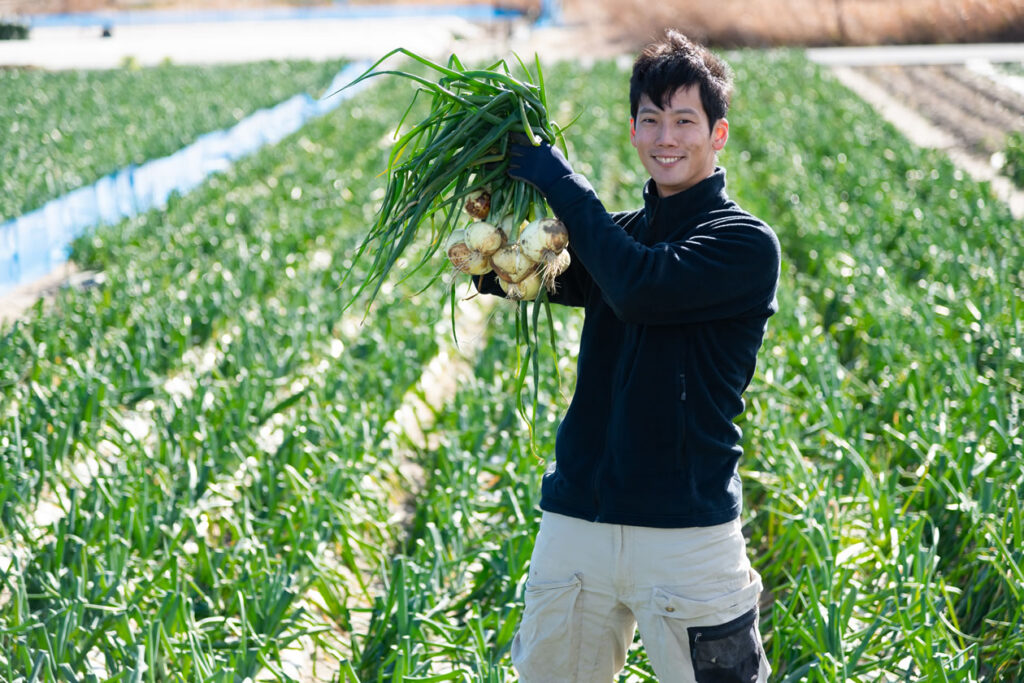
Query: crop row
x,y
892,395
64,130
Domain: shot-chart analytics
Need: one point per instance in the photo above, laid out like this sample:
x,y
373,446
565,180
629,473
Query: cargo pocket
x,y
729,652
722,607
718,637
546,648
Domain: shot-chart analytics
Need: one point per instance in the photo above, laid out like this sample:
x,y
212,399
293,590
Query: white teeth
x,y
667,160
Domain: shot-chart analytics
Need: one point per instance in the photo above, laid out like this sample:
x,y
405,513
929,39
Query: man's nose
x,y
665,134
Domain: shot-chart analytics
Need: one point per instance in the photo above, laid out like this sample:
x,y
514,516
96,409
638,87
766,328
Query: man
x,y
640,524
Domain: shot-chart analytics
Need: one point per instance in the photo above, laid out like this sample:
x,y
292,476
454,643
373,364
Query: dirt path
x,y
14,303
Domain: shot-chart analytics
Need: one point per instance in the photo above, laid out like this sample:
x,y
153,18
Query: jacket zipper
x,y
682,427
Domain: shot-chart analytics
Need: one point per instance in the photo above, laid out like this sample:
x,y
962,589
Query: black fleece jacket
x,y
676,296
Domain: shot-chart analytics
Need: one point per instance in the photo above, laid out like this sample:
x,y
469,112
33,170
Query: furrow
x,y
954,85
983,86
1004,80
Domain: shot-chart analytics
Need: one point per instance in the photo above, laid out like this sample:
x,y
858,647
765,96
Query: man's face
x,y
675,144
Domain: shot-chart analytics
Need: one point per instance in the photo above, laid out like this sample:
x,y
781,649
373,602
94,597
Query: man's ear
x,y
719,134
632,131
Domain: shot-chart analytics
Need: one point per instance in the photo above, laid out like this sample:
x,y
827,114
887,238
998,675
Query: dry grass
x,y
736,23
50,6
722,23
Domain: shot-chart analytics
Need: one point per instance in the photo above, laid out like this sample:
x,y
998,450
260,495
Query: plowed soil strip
x,y
947,110
985,86
973,100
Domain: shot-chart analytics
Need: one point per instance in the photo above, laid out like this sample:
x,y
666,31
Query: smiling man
x,y
673,141
641,510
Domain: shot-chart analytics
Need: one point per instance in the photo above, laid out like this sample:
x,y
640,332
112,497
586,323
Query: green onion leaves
x,y
457,149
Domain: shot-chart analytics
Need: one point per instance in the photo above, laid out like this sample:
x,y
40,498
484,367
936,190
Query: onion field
x,y
64,130
207,475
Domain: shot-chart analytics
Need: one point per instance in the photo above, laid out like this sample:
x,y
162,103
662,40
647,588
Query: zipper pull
x,y
682,383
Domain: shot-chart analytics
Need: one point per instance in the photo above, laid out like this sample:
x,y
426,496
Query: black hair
x,y
677,62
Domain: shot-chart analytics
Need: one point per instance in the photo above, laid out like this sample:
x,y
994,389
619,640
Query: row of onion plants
x,y
892,394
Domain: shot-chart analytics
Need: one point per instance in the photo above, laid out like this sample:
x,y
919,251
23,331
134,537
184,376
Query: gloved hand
x,y
541,166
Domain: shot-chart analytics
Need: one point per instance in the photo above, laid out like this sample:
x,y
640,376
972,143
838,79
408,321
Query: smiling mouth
x,y
666,160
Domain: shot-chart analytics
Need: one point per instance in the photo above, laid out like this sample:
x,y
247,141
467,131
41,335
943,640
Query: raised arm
x,y
728,267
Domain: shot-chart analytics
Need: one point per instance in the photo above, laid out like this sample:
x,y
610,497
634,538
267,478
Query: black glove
x,y
541,166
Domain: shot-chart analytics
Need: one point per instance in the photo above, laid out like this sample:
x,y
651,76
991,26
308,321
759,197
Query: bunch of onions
x,y
456,158
523,266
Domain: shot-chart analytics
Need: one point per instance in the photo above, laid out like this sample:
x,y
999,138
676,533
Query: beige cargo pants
x,y
691,592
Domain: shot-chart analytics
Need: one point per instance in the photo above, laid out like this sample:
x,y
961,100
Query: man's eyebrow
x,y
647,109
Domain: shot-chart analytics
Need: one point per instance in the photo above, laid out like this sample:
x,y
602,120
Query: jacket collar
x,y
702,197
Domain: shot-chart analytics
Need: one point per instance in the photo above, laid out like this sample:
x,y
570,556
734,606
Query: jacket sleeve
x,y
728,269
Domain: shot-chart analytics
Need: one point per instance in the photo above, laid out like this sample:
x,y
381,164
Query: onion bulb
x,y
544,241
509,225
544,234
484,237
478,204
525,290
464,259
511,264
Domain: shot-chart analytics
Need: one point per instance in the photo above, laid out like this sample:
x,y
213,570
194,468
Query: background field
x,y
67,130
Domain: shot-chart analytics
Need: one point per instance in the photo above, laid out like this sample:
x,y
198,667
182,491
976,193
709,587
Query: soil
x,y
950,107
977,112
14,303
